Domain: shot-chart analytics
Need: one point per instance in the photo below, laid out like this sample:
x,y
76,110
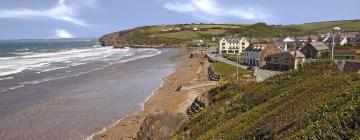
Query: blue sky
x,y
25,19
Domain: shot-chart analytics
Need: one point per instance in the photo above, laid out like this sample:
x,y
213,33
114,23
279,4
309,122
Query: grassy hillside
x,y
312,103
324,27
153,35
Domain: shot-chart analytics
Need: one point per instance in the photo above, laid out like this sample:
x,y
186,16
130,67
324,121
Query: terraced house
x,y
255,54
233,45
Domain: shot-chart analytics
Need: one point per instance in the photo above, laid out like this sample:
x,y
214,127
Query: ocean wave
x,y
6,78
69,57
152,52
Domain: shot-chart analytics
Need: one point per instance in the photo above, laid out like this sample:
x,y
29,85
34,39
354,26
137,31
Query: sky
x,y
47,19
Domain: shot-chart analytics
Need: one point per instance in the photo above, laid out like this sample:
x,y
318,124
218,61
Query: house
x,y
167,29
255,54
285,61
349,34
287,47
354,41
348,66
178,29
233,45
316,50
309,38
344,41
344,54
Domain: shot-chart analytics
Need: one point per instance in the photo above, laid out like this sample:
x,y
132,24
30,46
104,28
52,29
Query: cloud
x,y
61,33
212,10
61,11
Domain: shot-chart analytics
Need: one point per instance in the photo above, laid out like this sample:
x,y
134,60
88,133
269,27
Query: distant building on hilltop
x,y
233,45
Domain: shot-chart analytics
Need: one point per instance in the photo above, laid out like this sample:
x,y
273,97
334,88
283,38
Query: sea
x,y
74,88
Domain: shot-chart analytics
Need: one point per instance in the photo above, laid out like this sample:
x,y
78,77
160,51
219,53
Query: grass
x,y
228,71
315,102
213,31
182,35
234,57
324,27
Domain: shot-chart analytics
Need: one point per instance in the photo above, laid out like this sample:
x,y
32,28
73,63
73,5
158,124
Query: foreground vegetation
x,y
315,102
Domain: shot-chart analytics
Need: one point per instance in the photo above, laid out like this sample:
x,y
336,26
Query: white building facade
x,y
233,45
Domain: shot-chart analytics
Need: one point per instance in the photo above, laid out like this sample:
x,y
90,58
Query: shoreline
x,y
157,104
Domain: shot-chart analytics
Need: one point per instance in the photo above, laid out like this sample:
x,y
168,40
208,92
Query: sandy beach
x,y
166,109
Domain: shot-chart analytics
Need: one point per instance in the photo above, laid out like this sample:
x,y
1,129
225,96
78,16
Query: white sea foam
x,y
42,61
6,78
154,52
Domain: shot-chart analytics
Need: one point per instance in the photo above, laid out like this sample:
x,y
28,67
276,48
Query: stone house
x,y
255,54
316,50
285,61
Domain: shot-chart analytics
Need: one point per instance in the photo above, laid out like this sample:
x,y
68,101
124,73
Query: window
x,y
223,43
287,59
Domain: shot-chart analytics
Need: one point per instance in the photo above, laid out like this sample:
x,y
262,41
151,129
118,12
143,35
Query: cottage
x,y
285,61
256,53
316,50
233,45
344,54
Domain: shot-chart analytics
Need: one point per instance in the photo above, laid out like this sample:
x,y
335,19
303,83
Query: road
x,y
260,74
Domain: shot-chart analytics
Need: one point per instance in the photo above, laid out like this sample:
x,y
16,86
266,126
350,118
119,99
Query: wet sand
x,y
167,105
76,107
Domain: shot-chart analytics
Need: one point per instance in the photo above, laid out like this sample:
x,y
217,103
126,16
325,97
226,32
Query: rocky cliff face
x,y
160,126
114,39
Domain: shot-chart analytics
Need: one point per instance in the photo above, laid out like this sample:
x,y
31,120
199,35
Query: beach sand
x,y
166,109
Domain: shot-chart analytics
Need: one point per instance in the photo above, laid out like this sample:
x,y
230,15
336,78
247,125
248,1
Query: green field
x,y
213,32
324,27
228,71
182,35
315,102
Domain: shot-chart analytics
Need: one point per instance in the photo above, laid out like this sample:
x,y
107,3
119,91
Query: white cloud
x,y
61,33
212,10
62,11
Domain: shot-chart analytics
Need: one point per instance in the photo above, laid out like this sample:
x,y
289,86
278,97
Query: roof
x,y
260,47
256,47
319,46
344,52
298,54
233,39
289,39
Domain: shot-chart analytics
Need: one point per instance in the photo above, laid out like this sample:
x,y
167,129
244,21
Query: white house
x,y
344,41
196,29
233,45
